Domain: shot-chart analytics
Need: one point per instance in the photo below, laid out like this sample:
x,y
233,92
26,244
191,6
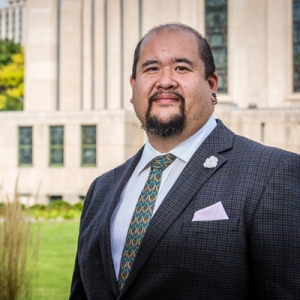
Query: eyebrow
x,y
149,62
183,60
177,60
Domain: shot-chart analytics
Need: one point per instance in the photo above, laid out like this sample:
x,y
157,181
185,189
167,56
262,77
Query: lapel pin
x,y
210,162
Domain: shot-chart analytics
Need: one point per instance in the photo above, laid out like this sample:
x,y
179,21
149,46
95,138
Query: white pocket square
x,y
211,213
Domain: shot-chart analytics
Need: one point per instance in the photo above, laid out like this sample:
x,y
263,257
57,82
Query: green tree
x,y
7,49
11,75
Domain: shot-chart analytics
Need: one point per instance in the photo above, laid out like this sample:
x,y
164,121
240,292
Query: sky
x,y
2,3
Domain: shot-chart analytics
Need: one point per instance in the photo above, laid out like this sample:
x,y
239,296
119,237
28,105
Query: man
x,y
198,212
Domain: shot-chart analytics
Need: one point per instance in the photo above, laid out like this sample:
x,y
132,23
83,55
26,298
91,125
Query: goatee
x,y
174,126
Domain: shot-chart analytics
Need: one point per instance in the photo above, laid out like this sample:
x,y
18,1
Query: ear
x,y
132,81
213,81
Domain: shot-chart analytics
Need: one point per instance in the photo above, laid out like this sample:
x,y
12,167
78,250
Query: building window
x,y
216,34
88,145
55,198
25,146
81,198
296,44
56,145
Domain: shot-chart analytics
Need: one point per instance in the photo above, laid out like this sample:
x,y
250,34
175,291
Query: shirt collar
x,y
183,151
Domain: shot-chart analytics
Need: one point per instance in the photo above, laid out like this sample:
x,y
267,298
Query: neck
x,y
165,144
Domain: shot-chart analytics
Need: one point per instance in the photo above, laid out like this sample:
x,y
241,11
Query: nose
x,y
166,80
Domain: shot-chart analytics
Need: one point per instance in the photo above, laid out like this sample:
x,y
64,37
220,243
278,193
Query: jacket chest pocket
x,y
211,244
210,227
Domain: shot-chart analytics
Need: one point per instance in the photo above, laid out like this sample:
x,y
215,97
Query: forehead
x,y
170,42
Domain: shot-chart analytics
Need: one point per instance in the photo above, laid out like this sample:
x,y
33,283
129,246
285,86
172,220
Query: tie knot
x,y
162,161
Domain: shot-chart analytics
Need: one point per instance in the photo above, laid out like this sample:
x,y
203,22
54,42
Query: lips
x,y
166,98
163,97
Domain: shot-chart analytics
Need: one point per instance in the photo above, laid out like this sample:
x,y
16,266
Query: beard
x,y
174,126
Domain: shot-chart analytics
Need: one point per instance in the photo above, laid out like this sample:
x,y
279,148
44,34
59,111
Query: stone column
x,y
279,52
190,12
2,33
17,24
24,26
99,54
248,52
87,55
113,54
71,55
10,34
41,59
130,32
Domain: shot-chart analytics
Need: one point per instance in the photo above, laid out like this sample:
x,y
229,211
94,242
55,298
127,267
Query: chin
x,y
165,117
165,127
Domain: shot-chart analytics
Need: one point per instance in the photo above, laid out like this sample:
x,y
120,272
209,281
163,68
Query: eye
x,y
181,68
152,69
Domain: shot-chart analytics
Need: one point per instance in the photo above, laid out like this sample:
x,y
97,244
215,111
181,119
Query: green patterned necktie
x,y
142,215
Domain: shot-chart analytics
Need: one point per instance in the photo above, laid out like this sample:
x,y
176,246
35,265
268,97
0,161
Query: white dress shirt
x,y
123,213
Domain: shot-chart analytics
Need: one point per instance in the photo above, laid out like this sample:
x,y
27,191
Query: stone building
x,y
78,121
12,21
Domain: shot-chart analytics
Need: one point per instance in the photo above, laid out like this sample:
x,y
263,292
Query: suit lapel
x,y
187,185
121,177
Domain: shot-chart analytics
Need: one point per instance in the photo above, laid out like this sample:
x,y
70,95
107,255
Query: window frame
x,y
208,35
25,146
88,146
294,24
51,147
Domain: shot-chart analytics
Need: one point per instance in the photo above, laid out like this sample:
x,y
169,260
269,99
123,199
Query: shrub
x,y
71,214
53,214
56,209
60,205
38,211
79,205
38,206
16,243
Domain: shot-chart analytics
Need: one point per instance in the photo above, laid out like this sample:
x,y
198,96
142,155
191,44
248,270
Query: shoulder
x,y
252,159
246,147
240,146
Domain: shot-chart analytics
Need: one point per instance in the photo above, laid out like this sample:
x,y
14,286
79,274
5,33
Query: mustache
x,y
152,98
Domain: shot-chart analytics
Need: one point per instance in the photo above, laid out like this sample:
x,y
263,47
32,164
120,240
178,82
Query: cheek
x,y
197,101
201,94
140,107
140,95
144,87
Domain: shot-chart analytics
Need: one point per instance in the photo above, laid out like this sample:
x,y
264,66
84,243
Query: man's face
x,y
170,93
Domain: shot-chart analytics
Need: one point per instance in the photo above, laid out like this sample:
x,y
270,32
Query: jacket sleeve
x,y
77,289
275,235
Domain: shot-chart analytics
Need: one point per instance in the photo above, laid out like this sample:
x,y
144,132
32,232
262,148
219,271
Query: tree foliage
x,y
11,75
7,49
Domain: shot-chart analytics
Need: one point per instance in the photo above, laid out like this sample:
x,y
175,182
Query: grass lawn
x,y
56,257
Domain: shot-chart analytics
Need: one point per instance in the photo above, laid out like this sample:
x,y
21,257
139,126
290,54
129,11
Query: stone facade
x,y
78,62
118,138
13,21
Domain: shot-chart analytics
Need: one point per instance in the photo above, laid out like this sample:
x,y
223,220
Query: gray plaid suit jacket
x,y
253,255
